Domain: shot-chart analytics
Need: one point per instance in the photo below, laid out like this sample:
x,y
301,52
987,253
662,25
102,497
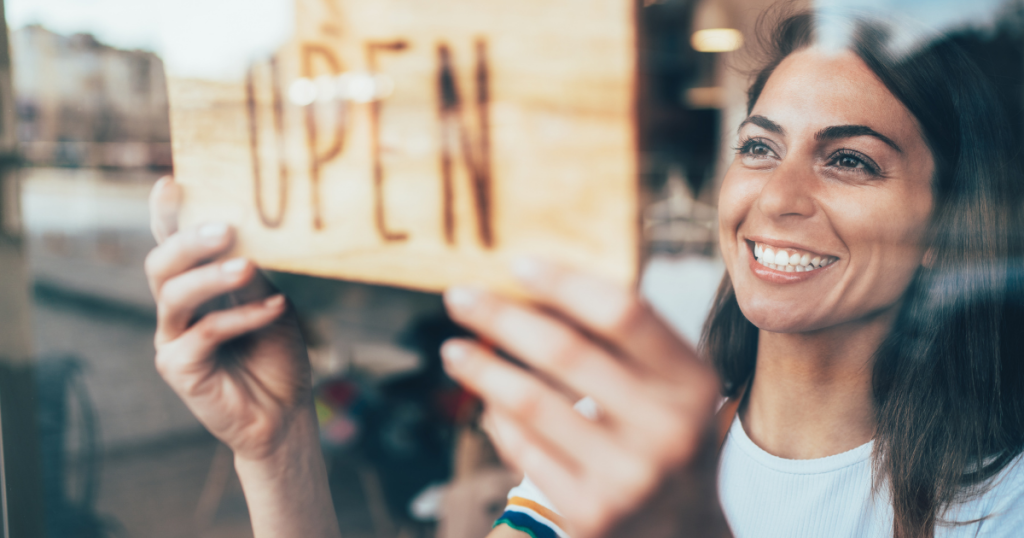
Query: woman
x,y
867,328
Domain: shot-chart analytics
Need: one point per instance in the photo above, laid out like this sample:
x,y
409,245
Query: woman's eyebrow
x,y
837,132
764,123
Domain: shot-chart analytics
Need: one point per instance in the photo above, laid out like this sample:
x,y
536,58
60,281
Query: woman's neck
x,y
811,396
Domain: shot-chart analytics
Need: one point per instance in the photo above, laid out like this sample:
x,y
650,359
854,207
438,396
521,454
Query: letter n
x,y
455,137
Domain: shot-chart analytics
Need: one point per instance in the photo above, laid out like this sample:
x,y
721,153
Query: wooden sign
x,y
421,144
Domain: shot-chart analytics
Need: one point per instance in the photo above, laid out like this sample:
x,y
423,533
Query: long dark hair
x,y
948,381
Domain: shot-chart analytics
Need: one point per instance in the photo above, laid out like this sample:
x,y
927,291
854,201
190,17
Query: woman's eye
x,y
847,161
755,148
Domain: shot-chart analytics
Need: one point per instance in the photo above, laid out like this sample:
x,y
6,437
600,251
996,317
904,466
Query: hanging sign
x,y
421,144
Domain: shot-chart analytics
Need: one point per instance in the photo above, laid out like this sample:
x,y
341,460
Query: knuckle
x,y
188,386
207,329
168,302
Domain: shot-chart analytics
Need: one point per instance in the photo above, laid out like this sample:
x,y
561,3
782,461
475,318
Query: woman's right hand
x,y
224,342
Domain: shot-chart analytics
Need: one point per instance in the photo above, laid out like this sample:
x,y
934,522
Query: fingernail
x,y
236,265
213,230
274,301
454,352
461,297
529,270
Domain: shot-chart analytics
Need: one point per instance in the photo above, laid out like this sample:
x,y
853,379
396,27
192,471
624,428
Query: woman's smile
x,y
777,262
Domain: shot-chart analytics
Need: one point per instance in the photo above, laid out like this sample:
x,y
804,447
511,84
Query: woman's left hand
x,y
647,465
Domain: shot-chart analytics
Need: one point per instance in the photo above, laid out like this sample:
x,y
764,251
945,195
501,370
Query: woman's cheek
x,y
885,235
735,199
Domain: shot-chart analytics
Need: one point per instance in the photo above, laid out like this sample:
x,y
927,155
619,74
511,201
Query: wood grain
x,y
510,130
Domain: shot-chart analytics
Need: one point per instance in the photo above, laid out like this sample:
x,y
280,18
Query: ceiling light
x,y
716,40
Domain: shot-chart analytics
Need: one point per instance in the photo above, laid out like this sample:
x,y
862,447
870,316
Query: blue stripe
x,y
524,523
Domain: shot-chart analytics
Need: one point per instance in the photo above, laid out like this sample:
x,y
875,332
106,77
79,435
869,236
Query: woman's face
x,y
823,212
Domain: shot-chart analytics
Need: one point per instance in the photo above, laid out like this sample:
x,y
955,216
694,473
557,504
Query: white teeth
x,y
782,260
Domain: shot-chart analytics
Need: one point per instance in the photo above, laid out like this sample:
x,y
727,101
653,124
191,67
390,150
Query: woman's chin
x,y
771,318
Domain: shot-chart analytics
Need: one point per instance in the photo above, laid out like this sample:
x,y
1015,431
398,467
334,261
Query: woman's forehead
x,y
812,89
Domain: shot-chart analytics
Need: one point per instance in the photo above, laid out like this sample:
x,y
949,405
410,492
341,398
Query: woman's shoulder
x,y
999,507
1007,487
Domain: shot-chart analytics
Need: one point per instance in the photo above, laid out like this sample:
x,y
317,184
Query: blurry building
x,y
85,104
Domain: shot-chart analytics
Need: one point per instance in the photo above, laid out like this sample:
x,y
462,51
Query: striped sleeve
x,y
528,509
530,512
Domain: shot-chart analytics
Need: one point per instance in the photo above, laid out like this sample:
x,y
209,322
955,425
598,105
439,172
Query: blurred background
x,y
95,444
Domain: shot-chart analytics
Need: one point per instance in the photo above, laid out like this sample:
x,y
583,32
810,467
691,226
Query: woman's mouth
x,y
790,260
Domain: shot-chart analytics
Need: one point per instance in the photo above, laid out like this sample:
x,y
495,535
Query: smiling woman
x,y
866,333
898,171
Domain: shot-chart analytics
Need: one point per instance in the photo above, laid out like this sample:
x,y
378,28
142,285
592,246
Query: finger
x,y
653,416
257,289
183,295
551,346
164,203
513,442
560,484
185,250
610,311
545,413
493,431
181,360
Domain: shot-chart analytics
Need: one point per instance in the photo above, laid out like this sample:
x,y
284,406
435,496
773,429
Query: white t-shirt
x,y
767,496
764,496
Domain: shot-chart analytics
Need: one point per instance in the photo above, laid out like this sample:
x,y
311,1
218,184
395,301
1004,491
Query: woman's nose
x,y
789,192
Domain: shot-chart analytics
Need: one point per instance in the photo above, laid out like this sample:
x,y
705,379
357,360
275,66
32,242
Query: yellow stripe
x,y
539,508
